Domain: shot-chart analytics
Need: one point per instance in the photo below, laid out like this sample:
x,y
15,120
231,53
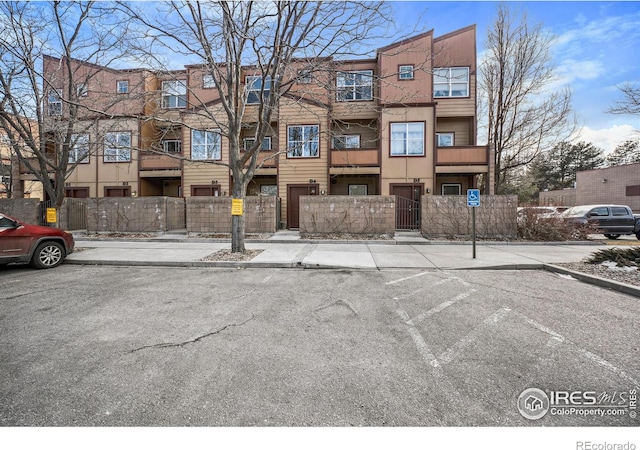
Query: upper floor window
x,y
405,72
82,90
172,146
117,146
174,94
207,81
122,86
256,85
352,86
266,144
445,139
304,77
54,103
451,82
407,139
79,151
303,141
205,145
346,141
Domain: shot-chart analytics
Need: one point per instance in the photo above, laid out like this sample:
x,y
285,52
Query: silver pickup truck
x,y
612,220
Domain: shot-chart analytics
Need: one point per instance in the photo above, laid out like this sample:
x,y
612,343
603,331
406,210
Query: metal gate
x,y
407,214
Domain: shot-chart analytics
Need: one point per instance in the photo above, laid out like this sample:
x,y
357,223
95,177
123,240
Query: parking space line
x,y
556,339
470,338
406,278
421,344
440,307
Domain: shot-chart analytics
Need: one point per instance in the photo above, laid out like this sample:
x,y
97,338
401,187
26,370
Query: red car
x,y
43,247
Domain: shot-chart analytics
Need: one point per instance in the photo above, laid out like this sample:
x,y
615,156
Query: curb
x,y
596,281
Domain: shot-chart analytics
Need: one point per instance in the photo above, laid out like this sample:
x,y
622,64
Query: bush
x,y
533,227
629,257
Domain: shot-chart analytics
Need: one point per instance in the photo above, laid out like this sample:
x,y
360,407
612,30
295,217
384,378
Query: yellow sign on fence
x,y
236,207
51,215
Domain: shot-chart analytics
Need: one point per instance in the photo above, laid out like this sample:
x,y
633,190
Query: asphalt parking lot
x,y
136,346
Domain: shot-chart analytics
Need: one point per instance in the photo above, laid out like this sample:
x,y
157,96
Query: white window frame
x,y
82,89
117,146
354,188
168,143
407,143
304,76
446,78
174,94
348,141
79,151
269,189
211,147
253,91
352,86
54,108
265,147
445,135
119,86
307,144
208,82
448,185
405,72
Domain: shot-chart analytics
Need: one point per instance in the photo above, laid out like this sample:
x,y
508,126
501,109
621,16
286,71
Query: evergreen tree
x,y
626,153
557,168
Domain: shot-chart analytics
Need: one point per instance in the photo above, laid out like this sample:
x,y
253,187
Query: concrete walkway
x,y
287,250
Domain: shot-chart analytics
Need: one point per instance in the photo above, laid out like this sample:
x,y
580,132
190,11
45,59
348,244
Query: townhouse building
x,y
401,123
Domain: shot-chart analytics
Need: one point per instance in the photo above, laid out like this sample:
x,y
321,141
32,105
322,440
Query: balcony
x,y
34,163
355,157
154,161
462,159
267,159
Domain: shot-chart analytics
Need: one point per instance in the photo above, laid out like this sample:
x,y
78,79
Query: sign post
x,y
473,201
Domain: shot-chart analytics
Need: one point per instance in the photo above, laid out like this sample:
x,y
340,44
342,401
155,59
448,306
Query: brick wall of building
x,y
213,214
610,185
449,216
348,214
24,209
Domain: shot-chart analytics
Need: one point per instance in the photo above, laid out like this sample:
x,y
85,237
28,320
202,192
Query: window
x,y
619,211
266,144
207,81
79,151
303,141
346,141
407,139
55,103
353,86
122,86
117,147
82,90
304,77
445,139
602,211
254,87
205,145
451,188
172,146
357,189
451,82
405,72
269,189
174,94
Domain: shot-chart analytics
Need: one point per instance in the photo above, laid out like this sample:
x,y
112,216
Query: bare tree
x,y
253,53
45,109
630,103
524,114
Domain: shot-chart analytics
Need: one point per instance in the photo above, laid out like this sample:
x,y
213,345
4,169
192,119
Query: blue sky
x,y
596,49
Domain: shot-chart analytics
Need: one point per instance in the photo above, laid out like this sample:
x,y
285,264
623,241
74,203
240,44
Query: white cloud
x,y
605,138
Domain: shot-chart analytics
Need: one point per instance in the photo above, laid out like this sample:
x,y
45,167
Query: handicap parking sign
x,y
473,197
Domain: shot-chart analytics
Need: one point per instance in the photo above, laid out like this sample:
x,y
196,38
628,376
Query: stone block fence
x,y
213,214
128,214
449,216
366,214
24,209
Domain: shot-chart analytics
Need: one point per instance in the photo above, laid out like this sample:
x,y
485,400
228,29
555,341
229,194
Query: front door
x,y
294,192
407,205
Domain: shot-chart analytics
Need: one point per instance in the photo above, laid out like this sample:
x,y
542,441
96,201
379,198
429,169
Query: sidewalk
x,y
287,250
